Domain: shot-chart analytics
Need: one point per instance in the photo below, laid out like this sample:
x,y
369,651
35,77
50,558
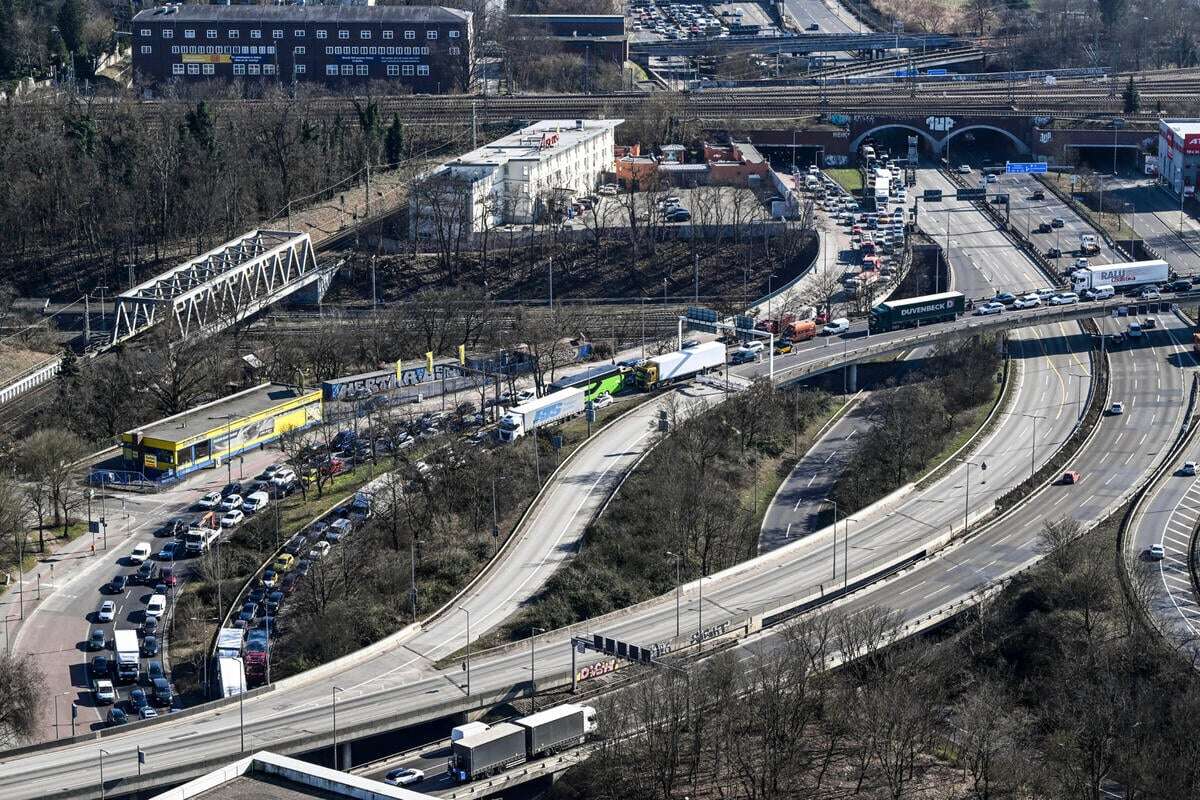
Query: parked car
x,y
232,518
318,551
338,530
273,601
209,501
284,563
270,579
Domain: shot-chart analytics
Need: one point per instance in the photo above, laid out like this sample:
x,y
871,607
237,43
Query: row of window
x,y
299,50
299,33
333,70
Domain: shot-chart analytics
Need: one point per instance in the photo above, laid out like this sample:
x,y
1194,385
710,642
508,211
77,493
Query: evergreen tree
x,y
393,143
200,126
1133,99
71,19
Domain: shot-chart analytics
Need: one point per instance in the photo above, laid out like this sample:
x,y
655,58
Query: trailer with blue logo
x,y
540,412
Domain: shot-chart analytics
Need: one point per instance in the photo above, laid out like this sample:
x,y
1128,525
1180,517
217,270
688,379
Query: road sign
x,y
701,319
743,323
969,194
1024,167
932,195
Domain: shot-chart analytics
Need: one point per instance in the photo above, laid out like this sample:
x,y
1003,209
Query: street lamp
x,y
103,753
678,589
467,611
1079,390
835,513
336,689
967,488
533,632
242,706
1033,441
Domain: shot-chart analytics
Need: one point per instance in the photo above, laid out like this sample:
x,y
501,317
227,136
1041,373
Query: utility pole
x,y
368,188
474,125
696,274
87,320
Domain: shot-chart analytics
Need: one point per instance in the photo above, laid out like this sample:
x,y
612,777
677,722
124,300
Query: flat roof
x,y
1182,127
530,142
211,416
301,14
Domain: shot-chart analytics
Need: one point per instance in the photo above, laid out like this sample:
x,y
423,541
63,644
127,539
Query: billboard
x,y
701,319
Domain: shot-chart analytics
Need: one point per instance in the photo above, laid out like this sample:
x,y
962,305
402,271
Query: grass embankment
x,y
849,178
701,493
360,592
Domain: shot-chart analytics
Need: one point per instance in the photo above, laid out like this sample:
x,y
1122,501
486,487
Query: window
x,y
430,34
360,69
387,34
331,69
453,34
276,34
453,51
422,69
364,34
147,49
329,51
268,69
168,33
177,69
322,34
393,70
347,69
193,69
174,49
254,69
146,32
209,69
424,51
188,33
211,33
410,34
299,69
298,33
255,34
298,50
239,69
234,33
408,69
353,50
343,34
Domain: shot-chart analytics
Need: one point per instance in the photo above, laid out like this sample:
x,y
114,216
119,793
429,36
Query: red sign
x,y
1191,144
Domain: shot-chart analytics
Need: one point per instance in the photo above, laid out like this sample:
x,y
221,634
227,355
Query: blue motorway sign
x,y
701,319
1022,167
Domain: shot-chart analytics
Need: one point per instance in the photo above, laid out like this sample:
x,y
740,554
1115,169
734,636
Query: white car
x,y
1188,469
1151,294
1028,301
107,611
210,500
404,776
1046,294
989,308
141,551
232,518
1116,409
232,502
272,470
603,400
104,691
990,178
835,326
319,551
1064,299
964,169
283,477
1155,552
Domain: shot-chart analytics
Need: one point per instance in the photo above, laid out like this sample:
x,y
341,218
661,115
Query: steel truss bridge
x,y
219,288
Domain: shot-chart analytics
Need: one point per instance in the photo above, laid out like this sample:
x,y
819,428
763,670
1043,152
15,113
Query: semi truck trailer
x,y
494,749
125,644
679,365
915,311
1120,276
540,412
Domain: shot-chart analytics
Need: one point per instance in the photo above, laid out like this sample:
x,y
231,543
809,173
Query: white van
x,y
257,501
141,551
1103,292
156,606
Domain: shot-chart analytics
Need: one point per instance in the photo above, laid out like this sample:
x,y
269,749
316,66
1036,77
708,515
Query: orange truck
x,y
800,330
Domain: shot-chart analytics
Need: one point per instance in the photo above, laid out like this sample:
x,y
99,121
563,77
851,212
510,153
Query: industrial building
x,y
514,180
211,434
1179,154
425,48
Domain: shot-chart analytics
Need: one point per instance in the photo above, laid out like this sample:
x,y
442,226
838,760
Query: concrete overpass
x,y
799,43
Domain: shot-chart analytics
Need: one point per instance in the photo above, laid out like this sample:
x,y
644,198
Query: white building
x,y
514,180
1179,154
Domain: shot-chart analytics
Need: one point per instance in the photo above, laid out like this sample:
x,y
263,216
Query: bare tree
x,y
22,692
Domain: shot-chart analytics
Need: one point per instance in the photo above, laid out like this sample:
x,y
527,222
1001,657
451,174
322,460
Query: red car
x,y
168,576
1070,476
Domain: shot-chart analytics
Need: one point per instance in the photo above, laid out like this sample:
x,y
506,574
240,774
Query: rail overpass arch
x,y
1021,146
933,143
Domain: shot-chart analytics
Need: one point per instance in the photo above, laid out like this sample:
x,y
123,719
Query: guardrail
x,y
29,378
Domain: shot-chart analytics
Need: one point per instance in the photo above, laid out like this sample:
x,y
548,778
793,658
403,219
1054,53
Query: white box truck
x,y
1120,276
680,365
540,412
125,644
233,676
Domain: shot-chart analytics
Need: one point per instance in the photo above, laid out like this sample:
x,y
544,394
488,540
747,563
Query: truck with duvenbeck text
x,y
912,312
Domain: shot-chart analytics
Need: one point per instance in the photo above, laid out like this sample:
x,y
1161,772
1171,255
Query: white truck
x,y
197,539
1120,276
680,365
540,412
233,676
1089,245
125,644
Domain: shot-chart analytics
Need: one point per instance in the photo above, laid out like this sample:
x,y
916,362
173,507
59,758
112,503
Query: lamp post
x,y
533,632
1032,442
835,513
467,611
1079,390
242,706
678,590
229,418
336,689
103,753
967,488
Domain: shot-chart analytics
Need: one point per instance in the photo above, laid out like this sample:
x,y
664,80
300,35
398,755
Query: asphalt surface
x,y
830,16
1157,219
1027,214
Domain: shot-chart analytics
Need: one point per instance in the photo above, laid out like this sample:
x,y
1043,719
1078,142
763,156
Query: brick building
x,y
426,48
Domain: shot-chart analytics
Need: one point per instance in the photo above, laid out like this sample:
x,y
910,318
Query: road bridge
x,y
221,287
800,43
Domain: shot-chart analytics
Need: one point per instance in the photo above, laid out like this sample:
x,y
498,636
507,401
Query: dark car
x,y
267,623
289,582
1182,285
233,488
273,601
137,699
1054,252
117,717
146,573
1044,227
163,695
256,595
1005,298
149,626
302,567
117,584
154,669
100,667
176,526
246,616
1038,195
97,640
150,646
160,588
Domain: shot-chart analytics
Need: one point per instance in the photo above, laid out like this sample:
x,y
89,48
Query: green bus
x,y
915,311
604,379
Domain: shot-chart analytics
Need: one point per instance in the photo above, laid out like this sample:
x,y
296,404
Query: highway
x,y
1157,219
